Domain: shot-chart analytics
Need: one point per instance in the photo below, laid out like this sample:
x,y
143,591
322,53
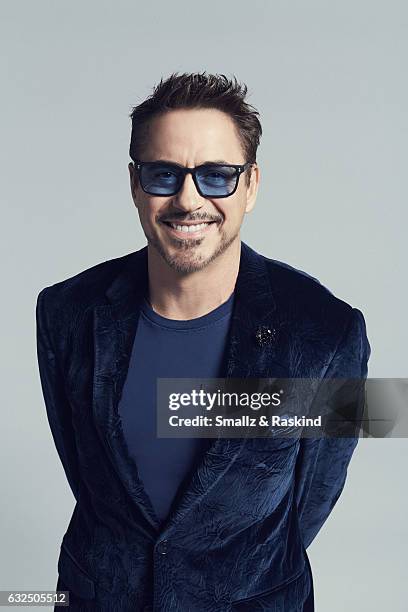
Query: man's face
x,y
191,138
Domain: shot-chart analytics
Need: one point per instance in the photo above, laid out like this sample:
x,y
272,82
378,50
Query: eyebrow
x,y
205,163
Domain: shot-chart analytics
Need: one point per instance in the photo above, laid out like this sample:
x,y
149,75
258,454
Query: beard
x,y
184,261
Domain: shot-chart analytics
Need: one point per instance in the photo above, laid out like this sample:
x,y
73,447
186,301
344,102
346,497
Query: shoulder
x,y
310,308
59,305
88,286
301,288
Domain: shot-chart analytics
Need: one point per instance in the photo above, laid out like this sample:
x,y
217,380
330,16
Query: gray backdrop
x,y
329,79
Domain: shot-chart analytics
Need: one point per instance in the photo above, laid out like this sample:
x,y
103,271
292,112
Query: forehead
x,y
193,136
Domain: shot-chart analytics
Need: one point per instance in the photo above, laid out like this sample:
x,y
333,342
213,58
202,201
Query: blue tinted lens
x,y
217,180
166,179
160,179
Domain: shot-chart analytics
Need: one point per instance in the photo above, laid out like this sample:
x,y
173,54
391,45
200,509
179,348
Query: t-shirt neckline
x,y
214,315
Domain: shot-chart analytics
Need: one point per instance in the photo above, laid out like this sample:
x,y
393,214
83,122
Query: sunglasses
x,y
212,180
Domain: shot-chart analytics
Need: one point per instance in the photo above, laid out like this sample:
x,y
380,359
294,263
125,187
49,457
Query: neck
x,y
187,296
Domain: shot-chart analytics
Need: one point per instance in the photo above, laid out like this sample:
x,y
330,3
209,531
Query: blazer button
x,y
161,547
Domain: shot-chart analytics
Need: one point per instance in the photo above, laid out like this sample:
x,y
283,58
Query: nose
x,y
188,198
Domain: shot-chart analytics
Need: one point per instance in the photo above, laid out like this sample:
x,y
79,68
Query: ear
x,y
252,188
133,181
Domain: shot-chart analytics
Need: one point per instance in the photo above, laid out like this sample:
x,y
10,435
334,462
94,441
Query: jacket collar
x,y
115,326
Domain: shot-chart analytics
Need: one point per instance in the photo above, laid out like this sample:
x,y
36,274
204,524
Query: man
x,y
190,525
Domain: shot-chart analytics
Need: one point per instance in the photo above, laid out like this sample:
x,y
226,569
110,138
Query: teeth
x,y
190,229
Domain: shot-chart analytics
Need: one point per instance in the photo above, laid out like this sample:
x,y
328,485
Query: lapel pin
x,y
265,335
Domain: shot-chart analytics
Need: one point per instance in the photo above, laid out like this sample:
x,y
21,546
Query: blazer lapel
x,y
115,326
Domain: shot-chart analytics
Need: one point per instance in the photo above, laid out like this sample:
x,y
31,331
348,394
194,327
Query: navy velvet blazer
x,y
236,539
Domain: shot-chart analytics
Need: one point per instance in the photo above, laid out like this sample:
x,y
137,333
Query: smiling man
x,y
191,524
192,222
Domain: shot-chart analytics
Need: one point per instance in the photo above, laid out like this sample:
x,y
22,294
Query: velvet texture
x,y
236,536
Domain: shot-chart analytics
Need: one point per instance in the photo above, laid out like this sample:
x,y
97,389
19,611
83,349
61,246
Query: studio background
x,y
329,80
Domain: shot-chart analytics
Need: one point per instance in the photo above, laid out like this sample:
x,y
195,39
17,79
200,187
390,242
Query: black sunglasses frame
x,y
137,164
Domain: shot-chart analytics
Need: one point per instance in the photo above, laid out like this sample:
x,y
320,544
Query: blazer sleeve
x,y
56,401
321,465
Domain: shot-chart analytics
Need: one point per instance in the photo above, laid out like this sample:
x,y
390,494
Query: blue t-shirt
x,y
168,348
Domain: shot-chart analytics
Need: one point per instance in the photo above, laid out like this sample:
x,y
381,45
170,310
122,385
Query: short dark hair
x,y
199,90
